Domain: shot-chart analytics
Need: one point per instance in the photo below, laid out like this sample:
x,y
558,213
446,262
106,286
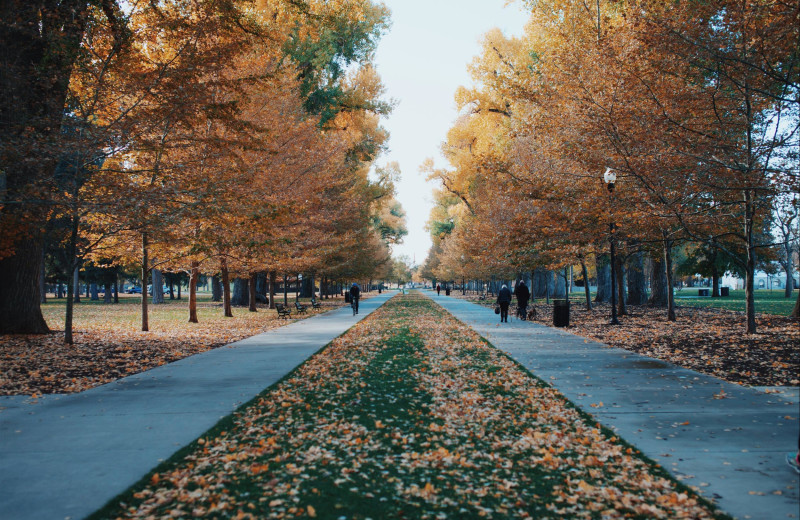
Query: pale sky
x,y
422,61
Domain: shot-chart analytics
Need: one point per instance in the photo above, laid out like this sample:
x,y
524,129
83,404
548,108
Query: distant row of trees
x,y
695,107
225,137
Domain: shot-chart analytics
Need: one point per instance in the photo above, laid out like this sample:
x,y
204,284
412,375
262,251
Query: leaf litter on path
x,y
410,414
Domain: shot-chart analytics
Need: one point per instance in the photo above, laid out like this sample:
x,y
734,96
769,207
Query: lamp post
x,y
610,178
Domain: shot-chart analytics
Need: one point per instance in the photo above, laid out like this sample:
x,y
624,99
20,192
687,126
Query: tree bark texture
x,y
193,278
251,292
38,40
622,308
20,307
658,283
272,282
216,289
42,281
76,278
240,296
145,273
668,272
158,286
637,283
226,289
586,290
107,296
603,269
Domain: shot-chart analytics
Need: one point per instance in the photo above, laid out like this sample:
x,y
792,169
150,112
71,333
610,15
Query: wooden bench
x,y
283,312
300,308
315,304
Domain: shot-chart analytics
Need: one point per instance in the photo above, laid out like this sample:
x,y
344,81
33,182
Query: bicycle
x,y
354,305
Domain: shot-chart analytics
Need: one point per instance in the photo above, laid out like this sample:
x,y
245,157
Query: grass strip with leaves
x,y
410,414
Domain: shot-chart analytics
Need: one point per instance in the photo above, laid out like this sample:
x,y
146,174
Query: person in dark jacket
x,y
355,294
523,295
438,289
504,300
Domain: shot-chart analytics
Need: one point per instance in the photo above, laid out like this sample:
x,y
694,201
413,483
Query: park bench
x,y
283,312
300,308
315,304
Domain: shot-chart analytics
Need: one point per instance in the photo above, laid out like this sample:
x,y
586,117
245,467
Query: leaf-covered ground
x,y
708,340
409,415
109,345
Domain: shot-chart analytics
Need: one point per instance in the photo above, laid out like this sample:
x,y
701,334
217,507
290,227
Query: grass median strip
x,y
410,414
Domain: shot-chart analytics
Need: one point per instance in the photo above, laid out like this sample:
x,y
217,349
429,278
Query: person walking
x,y
504,300
523,295
355,294
438,289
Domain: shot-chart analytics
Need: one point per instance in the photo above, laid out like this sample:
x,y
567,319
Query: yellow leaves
x,y
311,511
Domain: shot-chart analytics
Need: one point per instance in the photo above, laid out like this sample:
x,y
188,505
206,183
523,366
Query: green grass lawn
x,y
767,301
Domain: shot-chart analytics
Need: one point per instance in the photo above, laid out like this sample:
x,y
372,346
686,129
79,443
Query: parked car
x,y
164,290
133,290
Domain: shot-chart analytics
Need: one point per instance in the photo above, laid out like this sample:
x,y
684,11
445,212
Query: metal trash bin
x,y
447,292
561,313
724,291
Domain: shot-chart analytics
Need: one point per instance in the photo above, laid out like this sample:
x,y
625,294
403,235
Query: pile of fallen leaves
x,y
108,345
708,340
410,415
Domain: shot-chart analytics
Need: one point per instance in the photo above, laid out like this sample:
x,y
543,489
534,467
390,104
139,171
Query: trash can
x,y
724,291
447,292
561,313
347,296
703,292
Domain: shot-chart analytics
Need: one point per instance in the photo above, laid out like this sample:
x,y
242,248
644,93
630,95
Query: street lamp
x,y
610,178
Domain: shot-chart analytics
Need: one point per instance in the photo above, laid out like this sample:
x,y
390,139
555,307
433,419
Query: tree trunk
x,y
69,312
76,280
749,294
158,286
587,291
116,287
226,288
251,286
668,273
787,291
637,286
658,283
603,269
714,282
193,277
94,294
285,291
796,311
240,297
216,289
107,298
42,284
39,42
622,308
272,281
145,272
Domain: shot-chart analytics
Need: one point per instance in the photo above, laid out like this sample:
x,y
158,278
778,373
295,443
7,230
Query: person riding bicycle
x,y
355,294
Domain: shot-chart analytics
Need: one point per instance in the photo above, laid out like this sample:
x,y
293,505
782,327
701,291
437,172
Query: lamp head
x,y
610,177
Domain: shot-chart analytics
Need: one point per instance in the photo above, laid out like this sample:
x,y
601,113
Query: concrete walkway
x,y
731,449
65,456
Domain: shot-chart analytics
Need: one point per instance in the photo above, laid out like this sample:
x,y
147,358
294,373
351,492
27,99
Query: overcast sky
x,y
422,60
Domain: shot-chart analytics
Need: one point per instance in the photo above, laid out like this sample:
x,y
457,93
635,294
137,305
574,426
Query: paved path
x,y
732,449
67,455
